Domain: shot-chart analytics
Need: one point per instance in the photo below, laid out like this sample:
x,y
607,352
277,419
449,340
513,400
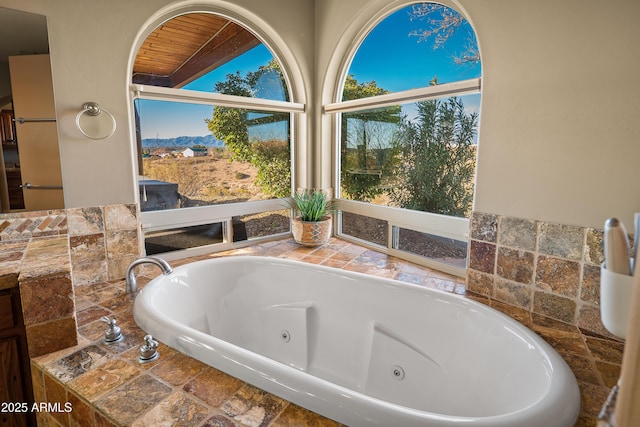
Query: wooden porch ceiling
x,y
187,47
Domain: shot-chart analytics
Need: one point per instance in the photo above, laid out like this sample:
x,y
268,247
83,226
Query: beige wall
x,y
91,47
560,131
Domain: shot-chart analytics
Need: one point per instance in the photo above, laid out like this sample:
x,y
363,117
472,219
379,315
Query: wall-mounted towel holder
x,y
615,300
22,120
93,127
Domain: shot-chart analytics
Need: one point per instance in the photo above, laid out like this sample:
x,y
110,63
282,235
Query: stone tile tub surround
x,y
103,240
98,379
97,262
50,252
541,267
46,293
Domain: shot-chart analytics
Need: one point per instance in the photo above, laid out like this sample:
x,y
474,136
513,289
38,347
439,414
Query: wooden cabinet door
x,y
11,384
32,91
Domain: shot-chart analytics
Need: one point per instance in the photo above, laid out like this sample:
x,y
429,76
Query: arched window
x,y
408,125
213,120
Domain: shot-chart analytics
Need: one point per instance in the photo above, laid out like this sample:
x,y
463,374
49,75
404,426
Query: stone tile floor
x,y
105,385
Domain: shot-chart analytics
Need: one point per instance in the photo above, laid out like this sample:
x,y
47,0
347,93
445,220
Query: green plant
x,y
439,159
311,205
256,137
367,159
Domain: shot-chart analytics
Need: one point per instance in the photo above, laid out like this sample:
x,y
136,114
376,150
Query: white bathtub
x,y
362,350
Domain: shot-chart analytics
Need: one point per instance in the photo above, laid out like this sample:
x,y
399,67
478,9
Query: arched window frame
x,y
454,228
224,213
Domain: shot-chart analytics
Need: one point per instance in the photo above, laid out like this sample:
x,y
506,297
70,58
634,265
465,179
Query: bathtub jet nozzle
x,y
397,372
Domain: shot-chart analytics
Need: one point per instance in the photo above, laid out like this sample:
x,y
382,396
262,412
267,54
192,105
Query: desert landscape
x,y
211,179
217,178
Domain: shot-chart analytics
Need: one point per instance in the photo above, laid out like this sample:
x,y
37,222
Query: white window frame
x,y
221,213
440,225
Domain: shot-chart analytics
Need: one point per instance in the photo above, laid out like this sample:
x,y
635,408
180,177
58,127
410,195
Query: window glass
x,y
244,227
412,47
418,156
208,52
237,155
407,137
227,159
437,248
265,224
364,228
157,242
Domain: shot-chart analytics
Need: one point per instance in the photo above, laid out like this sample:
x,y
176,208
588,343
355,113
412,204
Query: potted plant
x,y
311,225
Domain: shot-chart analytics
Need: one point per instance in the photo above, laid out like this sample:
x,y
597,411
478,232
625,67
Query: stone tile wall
x,y
46,292
103,242
103,239
544,268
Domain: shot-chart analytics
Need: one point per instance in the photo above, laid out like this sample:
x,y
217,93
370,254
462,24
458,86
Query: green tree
x,y
270,155
367,153
438,159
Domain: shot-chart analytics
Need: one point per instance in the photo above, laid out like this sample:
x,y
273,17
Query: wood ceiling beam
x,y
151,80
187,47
231,42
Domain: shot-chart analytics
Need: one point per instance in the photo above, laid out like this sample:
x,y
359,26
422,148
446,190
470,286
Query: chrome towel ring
x,y
98,128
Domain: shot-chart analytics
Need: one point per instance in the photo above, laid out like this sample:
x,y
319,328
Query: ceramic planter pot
x,y
307,233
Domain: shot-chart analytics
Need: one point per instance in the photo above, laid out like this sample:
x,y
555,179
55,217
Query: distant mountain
x,y
182,141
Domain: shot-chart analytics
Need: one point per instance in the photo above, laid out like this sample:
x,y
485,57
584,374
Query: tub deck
x,y
199,394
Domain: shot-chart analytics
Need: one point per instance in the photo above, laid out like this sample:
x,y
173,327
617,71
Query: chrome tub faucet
x,y
131,283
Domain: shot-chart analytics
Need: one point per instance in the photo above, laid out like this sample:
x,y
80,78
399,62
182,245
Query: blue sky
x,y
170,120
398,61
408,63
395,60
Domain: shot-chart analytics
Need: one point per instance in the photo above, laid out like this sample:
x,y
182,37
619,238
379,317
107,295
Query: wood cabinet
x,y
10,190
7,127
14,182
15,373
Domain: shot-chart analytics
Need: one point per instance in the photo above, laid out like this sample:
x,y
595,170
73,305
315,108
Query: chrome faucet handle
x,y
113,334
148,351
